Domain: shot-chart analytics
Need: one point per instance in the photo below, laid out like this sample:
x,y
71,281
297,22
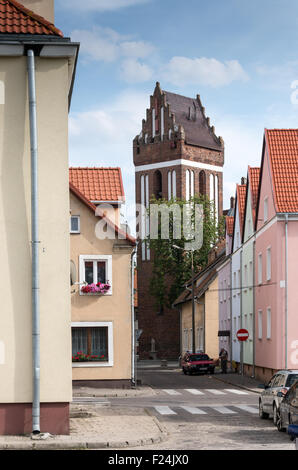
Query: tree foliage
x,y
172,266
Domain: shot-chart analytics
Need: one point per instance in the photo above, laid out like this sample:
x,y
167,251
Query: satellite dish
x,y
73,273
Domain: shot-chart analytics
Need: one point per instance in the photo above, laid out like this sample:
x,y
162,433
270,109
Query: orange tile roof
x,y
254,179
282,147
101,214
98,184
17,19
241,195
230,224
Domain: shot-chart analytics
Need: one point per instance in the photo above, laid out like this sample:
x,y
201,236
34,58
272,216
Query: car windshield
x,y
199,357
291,379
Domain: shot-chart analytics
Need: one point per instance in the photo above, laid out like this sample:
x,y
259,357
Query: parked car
x,y
287,414
197,363
276,388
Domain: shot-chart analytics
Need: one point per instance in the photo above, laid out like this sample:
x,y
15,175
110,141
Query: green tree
x,y
172,266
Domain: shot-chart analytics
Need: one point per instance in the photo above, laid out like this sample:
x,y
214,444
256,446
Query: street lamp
x,y
192,297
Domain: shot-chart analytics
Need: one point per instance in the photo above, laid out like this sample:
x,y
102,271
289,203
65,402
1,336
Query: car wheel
x,y
275,414
262,413
279,423
184,371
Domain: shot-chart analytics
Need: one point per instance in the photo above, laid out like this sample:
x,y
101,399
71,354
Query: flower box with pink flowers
x,y
100,288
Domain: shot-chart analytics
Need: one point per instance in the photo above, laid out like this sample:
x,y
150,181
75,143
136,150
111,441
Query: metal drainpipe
x,y
133,333
286,290
35,246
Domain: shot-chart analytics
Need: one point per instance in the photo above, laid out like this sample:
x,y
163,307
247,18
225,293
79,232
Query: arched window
x,y
158,184
189,184
202,182
172,184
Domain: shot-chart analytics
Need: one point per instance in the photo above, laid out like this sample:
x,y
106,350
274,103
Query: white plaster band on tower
x,y
156,166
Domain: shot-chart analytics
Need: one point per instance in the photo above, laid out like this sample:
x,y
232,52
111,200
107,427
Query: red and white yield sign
x,y
242,334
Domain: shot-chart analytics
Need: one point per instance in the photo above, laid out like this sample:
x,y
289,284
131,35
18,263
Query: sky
x,y
240,57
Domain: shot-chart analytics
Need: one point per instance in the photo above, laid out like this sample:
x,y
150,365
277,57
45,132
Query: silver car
x,y
280,383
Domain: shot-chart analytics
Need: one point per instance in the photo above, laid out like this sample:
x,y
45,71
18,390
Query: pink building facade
x,y
276,255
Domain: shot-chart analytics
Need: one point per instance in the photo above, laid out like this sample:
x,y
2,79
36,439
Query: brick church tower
x,y
177,154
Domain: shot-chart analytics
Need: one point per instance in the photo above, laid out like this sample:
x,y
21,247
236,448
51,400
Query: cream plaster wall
x,y
114,308
15,232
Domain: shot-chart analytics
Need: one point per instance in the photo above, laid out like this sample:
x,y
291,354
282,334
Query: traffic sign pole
x,y
242,335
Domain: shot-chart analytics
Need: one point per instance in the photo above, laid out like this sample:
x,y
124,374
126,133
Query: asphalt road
x,y
201,412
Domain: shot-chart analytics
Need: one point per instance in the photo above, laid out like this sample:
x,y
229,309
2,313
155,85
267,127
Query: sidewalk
x,y
240,381
96,425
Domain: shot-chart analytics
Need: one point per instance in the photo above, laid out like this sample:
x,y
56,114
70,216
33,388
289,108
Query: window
x,y
268,277
245,276
260,268
239,282
75,224
268,323
96,268
250,281
92,344
265,209
260,324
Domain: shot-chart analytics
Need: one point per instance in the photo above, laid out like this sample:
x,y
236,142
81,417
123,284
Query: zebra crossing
x,y
203,407
212,391
206,409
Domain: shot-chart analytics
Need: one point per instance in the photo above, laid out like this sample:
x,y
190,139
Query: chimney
x,y
44,8
232,202
243,180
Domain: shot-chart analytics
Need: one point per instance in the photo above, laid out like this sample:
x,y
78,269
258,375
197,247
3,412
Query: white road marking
x,y
223,410
171,392
214,391
193,410
164,410
194,391
247,408
238,392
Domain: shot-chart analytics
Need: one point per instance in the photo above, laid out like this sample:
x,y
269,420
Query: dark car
x,y
288,409
197,363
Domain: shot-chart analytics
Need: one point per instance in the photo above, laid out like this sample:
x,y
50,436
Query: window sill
x,y
92,364
95,294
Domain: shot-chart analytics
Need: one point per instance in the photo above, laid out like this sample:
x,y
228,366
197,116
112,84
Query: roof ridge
x,y
34,16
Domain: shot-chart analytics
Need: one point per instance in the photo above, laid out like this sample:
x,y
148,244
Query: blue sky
x,y
241,57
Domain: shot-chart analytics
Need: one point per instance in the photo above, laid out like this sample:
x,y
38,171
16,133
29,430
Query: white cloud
x,y
100,5
203,71
134,71
105,44
103,136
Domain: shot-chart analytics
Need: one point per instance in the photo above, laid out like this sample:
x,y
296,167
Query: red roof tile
x,y
254,179
96,211
229,224
98,184
17,19
282,147
241,195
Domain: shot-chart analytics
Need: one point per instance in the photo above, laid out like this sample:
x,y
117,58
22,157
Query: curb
x,y
237,385
92,444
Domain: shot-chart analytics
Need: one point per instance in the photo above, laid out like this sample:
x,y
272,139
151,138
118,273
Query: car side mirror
x,y
280,394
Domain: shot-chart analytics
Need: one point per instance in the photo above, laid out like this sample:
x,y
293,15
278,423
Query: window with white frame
x,y
245,276
265,209
95,269
92,344
268,270
268,322
74,223
234,286
260,269
260,324
225,290
185,339
250,281
239,282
